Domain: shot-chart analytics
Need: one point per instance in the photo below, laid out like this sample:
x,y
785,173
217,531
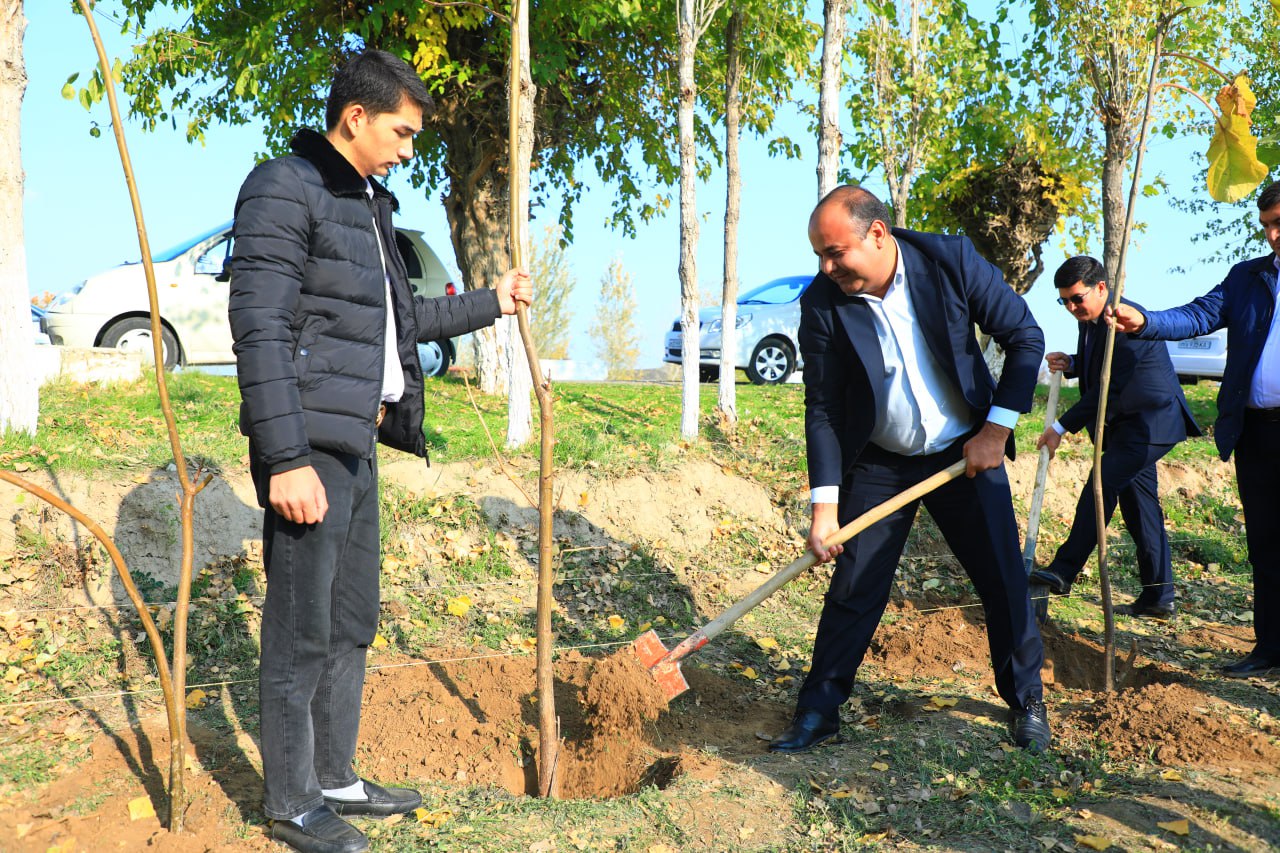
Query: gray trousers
x,y
320,615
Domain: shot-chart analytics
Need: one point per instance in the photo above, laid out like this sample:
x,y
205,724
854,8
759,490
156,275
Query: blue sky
x,y
78,219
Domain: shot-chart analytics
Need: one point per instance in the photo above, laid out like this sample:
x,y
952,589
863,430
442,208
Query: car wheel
x,y
708,374
434,357
772,361
133,334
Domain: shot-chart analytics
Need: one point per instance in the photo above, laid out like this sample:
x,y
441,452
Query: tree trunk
x,y
476,204
19,391
1114,164
519,416
829,138
688,226
727,402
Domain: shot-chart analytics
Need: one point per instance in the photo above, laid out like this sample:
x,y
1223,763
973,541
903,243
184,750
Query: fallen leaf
x,y
1093,842
661,848
767,643
196,699
379,641
879,765
616,622
1060,793
1177,827
459,606
941,702
748,672
584,499
436,818
1170,775
746,832
141,807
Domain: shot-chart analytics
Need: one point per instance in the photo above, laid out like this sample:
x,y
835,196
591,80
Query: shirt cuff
x,y
1003,417
1059,428
824,495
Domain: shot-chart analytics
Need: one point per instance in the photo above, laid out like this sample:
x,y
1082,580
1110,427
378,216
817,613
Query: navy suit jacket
x,y
952,289
1145,403
1243,303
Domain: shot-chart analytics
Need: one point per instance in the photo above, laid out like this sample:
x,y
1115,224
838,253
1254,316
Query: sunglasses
x,y
1075,299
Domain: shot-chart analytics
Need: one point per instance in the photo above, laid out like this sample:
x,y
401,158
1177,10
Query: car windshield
x,y
174,251
777,292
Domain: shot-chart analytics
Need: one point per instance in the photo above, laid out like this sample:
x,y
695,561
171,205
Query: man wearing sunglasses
x,y
1146,416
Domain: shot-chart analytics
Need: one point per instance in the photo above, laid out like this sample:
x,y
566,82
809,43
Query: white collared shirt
x,y
392,373
1264,388
921,410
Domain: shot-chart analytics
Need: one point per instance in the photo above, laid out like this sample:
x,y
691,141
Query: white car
x,y
768,323
111,309
1199,358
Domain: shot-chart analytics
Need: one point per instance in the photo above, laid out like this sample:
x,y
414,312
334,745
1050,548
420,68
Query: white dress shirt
x,y
392,373
920,410
1264,388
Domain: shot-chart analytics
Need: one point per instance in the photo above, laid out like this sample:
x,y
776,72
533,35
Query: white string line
x,y
459,585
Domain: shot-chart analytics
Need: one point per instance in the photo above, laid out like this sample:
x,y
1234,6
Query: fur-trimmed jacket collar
x,y
339,176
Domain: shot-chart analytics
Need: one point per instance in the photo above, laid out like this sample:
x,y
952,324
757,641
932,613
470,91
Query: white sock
x,y
354,791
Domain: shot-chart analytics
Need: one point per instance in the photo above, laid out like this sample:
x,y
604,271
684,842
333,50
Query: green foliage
x,y
614,330
550,314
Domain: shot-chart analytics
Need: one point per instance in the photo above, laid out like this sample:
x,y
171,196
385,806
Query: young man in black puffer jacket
x,y
325,327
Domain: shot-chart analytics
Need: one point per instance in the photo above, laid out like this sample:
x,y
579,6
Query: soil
x,y
473,721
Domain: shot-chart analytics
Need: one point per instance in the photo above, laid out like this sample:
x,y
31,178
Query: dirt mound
x,y
911,643
1175,724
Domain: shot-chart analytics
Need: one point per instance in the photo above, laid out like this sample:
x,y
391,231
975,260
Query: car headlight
x,y
716,324
65,296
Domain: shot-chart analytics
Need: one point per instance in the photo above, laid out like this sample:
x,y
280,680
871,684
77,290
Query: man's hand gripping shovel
x,y
665,665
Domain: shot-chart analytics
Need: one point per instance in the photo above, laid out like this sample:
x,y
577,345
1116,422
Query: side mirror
x,y
225,275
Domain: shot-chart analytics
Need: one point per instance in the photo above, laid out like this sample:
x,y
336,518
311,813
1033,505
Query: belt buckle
x,y
382,413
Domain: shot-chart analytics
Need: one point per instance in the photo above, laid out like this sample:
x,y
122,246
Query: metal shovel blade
x,y
650,650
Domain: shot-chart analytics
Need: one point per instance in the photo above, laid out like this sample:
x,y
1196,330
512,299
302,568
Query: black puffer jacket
x,y
308,316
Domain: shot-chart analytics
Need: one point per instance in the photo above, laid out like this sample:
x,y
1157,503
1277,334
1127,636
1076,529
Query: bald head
x,y
860,206
849,232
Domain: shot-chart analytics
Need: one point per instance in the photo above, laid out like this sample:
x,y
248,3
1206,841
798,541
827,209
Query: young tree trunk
x,y
727,402
19,391
829,137
688,225
476,204
519,416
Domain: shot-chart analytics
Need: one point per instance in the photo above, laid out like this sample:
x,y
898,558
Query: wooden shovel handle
x,y
713,628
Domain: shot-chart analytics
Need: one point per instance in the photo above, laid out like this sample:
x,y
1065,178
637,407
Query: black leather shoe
x,y
808,729
1030,727
1151,611
1250,665
1057,584
381,802
322,831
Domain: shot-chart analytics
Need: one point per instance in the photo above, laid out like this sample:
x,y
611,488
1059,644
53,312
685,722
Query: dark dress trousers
x,y
952,289
1147,415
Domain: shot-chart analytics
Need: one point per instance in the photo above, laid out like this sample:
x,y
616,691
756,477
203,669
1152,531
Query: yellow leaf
x,y
746,832
1177,827
1173,775
196,699
459,606
1234,167
841,795
616,622
661,848
437,818
379,641
140,807
1236,97
12,674
767,643
529,644
941,702
1060,793
645,627
1093,842
584,499
748,672
68,846
879,765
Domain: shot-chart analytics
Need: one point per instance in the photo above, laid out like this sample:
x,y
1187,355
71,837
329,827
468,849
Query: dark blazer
x,y
1243,303
1145,403
952,289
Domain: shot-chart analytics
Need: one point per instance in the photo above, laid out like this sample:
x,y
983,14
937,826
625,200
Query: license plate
x,y
1195,344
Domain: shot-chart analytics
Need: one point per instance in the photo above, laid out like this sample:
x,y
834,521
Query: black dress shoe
x,y
808,729
322,831
1057,584
1250,665
381,802
1151,611
1030,727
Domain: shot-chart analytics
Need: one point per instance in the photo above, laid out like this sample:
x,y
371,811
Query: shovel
x,y
665,666
1038,591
